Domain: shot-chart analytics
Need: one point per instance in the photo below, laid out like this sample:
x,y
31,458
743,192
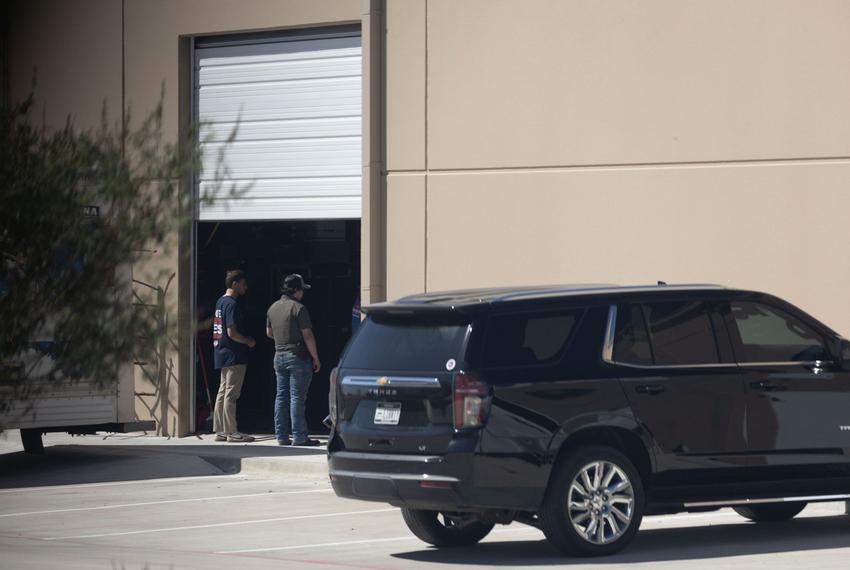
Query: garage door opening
x,y
293,99
326,253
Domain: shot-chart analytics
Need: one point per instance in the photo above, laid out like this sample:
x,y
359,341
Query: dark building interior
x,y
326,253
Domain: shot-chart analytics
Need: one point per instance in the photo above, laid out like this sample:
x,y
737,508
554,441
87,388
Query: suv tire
x,y
771,512
571,513
455,529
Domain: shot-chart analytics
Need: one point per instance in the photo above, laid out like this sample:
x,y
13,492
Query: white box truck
x,y
76,407
73,406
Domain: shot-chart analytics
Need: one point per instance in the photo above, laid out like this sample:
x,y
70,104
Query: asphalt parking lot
x,y
236,521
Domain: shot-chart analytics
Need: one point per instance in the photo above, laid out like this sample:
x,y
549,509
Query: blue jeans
x,y
294,374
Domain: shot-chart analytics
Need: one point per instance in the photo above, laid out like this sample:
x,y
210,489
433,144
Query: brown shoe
x,y
220,437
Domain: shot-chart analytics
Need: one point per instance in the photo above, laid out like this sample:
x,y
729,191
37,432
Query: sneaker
x,y
307,442
220,437
239,438
286,441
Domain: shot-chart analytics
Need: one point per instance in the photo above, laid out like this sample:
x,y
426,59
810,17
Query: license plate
x,y
388,413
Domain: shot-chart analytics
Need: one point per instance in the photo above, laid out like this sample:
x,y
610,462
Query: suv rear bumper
x,y
455,481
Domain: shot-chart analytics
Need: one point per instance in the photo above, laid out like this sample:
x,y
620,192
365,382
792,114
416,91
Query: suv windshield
x,y
402,345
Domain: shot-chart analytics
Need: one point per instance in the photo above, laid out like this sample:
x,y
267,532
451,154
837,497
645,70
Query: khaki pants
x,y
224,419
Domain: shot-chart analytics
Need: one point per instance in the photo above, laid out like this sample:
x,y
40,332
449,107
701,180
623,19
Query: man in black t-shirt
x,y
230,350
296,358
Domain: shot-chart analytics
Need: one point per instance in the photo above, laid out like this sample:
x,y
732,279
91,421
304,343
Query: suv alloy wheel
x,y
594,504
445,529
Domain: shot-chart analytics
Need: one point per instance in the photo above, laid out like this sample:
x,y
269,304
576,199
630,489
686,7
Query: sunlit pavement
x,y
190,519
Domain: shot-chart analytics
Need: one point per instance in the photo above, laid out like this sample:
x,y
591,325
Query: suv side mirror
x,y
843,354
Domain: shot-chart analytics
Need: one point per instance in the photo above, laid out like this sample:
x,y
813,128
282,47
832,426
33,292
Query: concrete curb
x,y
263,458
311,467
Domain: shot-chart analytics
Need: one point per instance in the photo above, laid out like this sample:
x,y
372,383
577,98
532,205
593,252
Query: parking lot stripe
x,y
320,545
149,503
218,525
356,542
674,518
655,519
236,476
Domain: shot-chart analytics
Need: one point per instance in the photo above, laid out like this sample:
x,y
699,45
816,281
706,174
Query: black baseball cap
x,y
294,282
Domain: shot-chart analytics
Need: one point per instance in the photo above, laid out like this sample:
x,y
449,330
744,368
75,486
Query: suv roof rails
x,y
469,300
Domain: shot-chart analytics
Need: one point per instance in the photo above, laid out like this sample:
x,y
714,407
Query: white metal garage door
x,y
297,150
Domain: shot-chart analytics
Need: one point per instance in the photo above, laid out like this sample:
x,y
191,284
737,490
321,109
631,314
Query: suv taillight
x,y
471,400
332,407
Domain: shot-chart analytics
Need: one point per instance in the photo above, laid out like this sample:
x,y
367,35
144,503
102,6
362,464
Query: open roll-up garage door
x,y
297,103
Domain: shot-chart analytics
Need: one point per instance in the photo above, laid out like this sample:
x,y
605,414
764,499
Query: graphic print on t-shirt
x,y
226,351
218,327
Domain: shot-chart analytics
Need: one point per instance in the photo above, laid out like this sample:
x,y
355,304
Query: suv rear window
x,y
404,345
523,339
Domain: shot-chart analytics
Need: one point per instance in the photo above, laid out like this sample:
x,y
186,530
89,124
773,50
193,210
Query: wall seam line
x,y
123,78
427,170
628,165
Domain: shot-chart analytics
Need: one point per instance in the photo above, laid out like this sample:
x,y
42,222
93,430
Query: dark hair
x,y
233,276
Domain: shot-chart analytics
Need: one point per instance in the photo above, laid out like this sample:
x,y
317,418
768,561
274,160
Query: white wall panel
x,y
296,109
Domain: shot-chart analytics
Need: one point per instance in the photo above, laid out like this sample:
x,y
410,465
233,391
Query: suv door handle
x,y
650,389
765,386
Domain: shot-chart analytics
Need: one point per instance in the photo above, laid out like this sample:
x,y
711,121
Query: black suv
x,y
580,409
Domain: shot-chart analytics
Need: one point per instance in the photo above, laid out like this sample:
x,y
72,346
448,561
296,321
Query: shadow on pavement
x,y
78,464
662,545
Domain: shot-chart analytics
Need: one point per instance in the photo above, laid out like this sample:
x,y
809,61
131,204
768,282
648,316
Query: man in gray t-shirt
x,y
296,358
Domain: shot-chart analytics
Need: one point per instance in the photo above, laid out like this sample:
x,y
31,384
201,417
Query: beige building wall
x,y
525,142
73,50
621,142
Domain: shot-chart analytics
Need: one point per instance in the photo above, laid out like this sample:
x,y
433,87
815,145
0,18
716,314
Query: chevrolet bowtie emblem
x,y
383,381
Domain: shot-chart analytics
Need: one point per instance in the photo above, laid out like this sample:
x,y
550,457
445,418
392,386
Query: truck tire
x,y
31,438
445,529
770,512
594,503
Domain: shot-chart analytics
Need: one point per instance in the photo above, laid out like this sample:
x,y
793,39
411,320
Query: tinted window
x,y
405,346
631,343
681,333
521,340
772,335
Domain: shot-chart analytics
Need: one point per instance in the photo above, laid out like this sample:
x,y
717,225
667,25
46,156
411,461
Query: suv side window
x,y
681,333
772,335
631,342
528,339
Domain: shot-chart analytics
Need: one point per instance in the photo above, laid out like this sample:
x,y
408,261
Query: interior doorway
x,y
326,253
